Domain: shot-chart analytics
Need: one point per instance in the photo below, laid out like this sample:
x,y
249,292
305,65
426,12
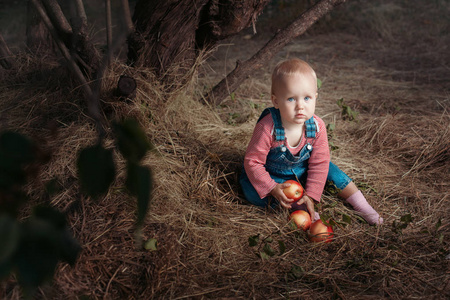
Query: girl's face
x,y
295,96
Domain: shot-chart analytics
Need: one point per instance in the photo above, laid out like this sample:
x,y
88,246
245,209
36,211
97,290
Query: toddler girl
x,y
289,142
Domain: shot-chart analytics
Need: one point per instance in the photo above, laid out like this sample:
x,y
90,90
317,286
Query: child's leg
x,y
250,193
360,204
352,195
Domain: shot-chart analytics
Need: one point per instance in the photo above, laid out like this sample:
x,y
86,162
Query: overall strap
x,y
278,129
311,128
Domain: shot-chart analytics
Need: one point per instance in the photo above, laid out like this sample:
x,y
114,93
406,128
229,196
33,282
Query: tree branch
x,y
58,19
81,13
78,20
92,102
108,26
79,44
5,54
283,37
127,16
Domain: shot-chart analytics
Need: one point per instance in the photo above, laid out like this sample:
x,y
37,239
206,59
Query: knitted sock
x,y
359,203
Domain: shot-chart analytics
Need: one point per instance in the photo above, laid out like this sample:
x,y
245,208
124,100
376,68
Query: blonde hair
x,y
291,67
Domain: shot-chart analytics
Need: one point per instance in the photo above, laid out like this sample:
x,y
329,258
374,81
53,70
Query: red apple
x,y
294,191
319,232
302,219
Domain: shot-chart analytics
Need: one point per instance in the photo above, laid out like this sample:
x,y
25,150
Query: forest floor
x,y
387,60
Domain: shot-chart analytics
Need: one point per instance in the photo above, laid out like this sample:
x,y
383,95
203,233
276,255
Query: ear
x,y
274,101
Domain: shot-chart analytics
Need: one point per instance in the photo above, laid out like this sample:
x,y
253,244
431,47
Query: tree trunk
x,y
171,33
38,37
164,34
244,69
223,19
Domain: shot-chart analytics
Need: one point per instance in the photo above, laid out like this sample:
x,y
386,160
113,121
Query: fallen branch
x,y
232,81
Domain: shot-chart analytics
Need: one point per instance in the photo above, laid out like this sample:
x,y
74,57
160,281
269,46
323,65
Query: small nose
x,y
299,104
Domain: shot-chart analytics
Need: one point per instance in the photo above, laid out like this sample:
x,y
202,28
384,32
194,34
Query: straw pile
x,y
397,152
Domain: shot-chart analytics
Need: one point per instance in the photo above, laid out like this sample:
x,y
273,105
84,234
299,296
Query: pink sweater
x,y
263,140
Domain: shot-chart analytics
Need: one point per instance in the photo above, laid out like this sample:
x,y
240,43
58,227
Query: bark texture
x,y
170,33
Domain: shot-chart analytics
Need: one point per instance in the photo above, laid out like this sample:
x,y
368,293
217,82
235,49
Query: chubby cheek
x,y
312,107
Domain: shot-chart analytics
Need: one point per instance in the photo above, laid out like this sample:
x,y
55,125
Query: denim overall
x,y
282,165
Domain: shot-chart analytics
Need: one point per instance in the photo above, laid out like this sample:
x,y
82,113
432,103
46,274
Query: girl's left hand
x,y
309,204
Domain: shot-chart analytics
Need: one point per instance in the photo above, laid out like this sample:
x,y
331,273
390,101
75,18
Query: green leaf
x,y
347,111
406,218
96,170
297,271
44,242
331,127
402,225
68,247
282,247
292,225
139,183
16,147
9,237
268,240
151,244
12,201
441,237
439,224
132,141
50,214
319,83
333,147
253,240
346,219
16,151
263,255
325,219
332,223
268,250
53,187
5,268
38,254
212,222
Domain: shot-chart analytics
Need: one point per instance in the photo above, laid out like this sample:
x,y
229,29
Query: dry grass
x,y
398,153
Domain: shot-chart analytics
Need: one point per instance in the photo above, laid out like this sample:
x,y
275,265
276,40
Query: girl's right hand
x,y
278,194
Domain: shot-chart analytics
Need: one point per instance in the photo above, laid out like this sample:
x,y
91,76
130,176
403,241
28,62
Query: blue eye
x,y
291,99
307,98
